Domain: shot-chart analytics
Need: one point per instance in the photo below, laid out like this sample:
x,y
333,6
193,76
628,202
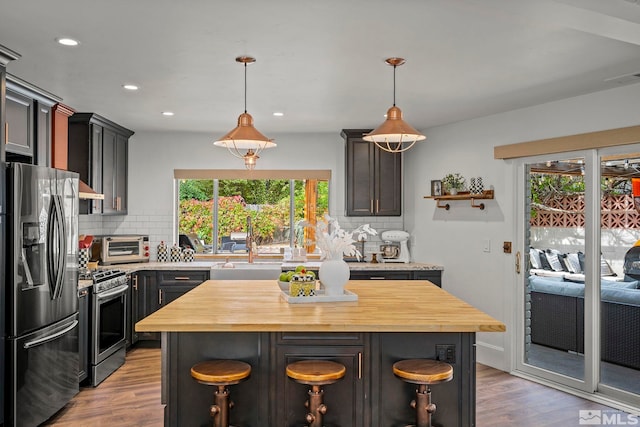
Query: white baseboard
x,y
491,355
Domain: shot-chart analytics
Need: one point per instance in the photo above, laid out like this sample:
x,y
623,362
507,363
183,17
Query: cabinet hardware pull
x,y
359,365
377,205
118,203
135,283
6,133
182,278
518,262
376,278
159,296
371,205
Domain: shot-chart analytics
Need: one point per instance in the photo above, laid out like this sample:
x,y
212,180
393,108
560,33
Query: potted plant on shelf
x,y
453,183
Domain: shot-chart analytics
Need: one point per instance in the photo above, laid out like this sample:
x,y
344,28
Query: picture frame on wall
x,y
436,187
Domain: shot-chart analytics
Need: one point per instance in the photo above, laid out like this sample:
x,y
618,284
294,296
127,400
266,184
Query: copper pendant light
x,y
245,136
394,135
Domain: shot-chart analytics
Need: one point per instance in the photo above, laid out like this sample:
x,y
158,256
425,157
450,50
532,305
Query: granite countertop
x,y
206,265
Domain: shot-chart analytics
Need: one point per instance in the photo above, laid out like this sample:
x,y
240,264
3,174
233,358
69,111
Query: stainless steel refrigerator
x,y
41,282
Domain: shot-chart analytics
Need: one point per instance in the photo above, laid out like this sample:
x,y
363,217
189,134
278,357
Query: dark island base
x,y
369,395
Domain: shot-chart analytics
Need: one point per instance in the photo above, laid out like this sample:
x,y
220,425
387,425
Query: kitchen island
x,y
249,321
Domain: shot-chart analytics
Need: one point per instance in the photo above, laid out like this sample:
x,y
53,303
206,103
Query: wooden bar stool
x,y
221,373
424,372
316,373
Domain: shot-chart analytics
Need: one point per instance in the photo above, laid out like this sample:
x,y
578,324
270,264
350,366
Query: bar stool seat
x,y
221,373
316,373
424,372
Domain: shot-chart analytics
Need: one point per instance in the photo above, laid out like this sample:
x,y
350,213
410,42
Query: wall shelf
x,y
442,200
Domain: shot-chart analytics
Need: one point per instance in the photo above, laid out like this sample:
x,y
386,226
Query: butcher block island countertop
x,y
256,306
249,321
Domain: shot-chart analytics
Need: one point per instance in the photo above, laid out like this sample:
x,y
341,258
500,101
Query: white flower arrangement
x,y
334,241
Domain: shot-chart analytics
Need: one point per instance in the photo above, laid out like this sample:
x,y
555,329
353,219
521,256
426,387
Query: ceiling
x,y
321,63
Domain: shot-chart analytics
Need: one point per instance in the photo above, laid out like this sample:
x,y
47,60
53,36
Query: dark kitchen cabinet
x,y
151,290
28,122
434,276
173,284
344,399
84,337
98,151
144,301
373,177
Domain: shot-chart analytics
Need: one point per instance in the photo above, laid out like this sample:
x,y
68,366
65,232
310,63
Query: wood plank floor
x,y
131,397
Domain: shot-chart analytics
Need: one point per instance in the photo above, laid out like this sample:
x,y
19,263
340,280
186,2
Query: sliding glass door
x,y
579,281
619,364
552,286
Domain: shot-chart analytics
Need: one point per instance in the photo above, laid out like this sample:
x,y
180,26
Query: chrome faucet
x,y
249,240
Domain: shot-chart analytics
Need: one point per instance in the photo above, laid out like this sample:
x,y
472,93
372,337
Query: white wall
x,y
456,238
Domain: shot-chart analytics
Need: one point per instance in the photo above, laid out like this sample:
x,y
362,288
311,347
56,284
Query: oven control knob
x,y
146,253
146,247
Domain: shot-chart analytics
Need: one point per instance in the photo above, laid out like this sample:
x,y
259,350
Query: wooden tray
x,y
320,297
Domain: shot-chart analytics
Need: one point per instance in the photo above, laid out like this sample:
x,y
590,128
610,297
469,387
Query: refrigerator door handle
x,y
52,277
56,240
51,337
62,246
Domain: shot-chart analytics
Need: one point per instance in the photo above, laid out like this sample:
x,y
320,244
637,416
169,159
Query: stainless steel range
x,y
108,323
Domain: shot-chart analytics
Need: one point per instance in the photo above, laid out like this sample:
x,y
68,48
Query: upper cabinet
x,y
28,122
373,177
98,151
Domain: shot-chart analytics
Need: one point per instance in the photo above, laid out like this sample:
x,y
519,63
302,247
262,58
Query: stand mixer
x,y
395,247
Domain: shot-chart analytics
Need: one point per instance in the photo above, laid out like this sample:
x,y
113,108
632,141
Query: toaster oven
x,y
119,249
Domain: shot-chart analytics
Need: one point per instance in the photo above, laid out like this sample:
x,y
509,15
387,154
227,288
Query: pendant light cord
x,y
394,85
245,87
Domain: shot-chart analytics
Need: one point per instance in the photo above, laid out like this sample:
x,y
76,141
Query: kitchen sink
x,y
247,271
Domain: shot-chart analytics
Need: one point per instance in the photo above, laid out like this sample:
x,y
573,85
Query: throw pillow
x,y
534,258
544,262
605,268
572,263
554,262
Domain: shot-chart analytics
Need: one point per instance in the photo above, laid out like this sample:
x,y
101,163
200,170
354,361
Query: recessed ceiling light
x,y
278,114
67,41
167,113
130,87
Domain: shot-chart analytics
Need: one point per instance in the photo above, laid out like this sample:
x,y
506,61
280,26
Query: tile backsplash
x,y
159,227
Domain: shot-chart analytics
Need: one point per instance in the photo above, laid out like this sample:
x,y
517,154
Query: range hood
x,y
87,192
60,147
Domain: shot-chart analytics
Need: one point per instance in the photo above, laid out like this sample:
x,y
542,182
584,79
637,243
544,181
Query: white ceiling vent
x,y
625,78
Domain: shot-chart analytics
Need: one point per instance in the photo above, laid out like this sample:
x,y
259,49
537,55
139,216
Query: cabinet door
x,y
148,301
381,275
388,183
94,164
19,117
43,149
170,293
344,399
83,333
434,276
360,177
120,172
108,171
373,178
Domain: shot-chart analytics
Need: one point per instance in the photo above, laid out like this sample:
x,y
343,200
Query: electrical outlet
x,y
446,353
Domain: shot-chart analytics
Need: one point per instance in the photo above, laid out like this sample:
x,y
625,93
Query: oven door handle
x,y
51,337
117,291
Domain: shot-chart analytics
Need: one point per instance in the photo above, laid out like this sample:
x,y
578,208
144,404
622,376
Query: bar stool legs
x,y
423,372
315,373
220,373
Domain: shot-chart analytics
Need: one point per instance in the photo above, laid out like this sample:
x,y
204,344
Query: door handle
x,y
159,296
518,262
